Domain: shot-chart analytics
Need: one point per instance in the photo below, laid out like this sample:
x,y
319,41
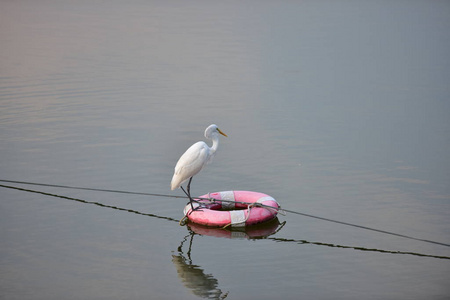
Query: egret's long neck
x,y
215,140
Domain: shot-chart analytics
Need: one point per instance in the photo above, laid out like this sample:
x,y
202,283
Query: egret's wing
x,y
190,163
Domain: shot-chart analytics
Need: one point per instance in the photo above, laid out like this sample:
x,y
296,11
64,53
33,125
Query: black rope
x,y
90,189
300,242
304,242
367,228
262,205
90,202
335,221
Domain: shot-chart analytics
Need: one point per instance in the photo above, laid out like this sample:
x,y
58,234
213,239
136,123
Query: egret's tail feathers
x,y
174,184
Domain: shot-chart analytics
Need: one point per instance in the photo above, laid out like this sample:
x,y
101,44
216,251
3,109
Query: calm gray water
x,y
338,109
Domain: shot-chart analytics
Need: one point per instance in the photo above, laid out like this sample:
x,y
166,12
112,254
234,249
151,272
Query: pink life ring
x,y
233,212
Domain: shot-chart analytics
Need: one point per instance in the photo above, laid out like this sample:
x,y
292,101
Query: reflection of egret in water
x,y
193,276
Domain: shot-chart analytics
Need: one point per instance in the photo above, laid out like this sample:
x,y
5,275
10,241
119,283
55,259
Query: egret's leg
x,y
189,187
184,191
189,196
188,193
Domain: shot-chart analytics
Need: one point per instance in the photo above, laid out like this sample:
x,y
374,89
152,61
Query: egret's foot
x,y
198,208
191,201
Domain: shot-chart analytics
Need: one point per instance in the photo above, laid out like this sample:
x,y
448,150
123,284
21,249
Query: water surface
x,y
338,109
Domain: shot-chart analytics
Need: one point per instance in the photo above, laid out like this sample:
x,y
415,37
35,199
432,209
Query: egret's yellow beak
x,y
221,132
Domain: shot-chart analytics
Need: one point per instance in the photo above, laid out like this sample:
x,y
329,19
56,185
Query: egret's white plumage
x,y
195,158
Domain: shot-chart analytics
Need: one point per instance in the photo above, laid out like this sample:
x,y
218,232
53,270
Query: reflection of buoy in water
x,y
252,232
239,209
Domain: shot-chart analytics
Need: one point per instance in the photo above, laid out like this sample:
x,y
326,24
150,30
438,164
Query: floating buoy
x,y
232,208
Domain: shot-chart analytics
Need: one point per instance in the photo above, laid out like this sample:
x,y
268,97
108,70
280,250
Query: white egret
x,y
194,159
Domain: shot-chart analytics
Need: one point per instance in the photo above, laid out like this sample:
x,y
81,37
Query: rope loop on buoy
x,y
183,221
248,215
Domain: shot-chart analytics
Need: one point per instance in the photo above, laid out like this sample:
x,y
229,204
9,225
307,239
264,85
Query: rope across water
x,y
183,197
175,220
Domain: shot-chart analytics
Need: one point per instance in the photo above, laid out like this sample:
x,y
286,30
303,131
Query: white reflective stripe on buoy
x,y
237,218
262,199
229,196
